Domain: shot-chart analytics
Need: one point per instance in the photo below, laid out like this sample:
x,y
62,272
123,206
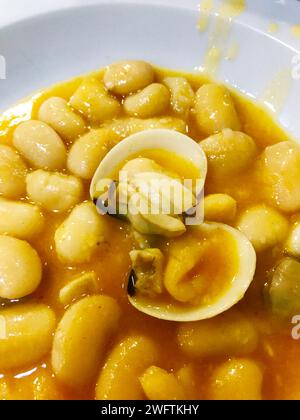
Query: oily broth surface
x,y
277,351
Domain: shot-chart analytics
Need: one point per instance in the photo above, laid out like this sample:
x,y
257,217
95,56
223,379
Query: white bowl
x,y
55,46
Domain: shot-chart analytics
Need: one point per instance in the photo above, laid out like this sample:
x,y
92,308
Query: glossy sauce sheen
x,y
277,351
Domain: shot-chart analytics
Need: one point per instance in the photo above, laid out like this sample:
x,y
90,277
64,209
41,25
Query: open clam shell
x,y
167,140
133,148
239,284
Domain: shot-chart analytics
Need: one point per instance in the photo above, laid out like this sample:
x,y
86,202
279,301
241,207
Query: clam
x,y
206,272
199,271
153,197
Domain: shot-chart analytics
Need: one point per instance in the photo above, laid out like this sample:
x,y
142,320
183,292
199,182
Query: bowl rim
x,y
254,19
254,16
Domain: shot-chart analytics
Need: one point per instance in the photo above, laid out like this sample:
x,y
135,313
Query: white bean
x,y
94,101
12,173
87,152
279,174
263,226
215,110
77,239
127,77
229,334
229,153
119,378
81,339
158,384
21,220
25,335
219,208
83,285
293,241
20,268
124,127
149,102
54,191
236,379
40,145
57,113
182,94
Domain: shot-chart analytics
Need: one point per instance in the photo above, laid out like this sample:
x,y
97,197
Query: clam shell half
x,y
235,292
167,140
